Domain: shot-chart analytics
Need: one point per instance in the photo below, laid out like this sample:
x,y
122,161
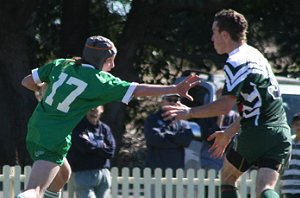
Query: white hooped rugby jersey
x,y
249,77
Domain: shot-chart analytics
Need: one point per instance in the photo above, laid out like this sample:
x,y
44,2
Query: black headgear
x,y
97,49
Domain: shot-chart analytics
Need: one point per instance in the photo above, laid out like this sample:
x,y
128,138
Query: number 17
x,y
64,106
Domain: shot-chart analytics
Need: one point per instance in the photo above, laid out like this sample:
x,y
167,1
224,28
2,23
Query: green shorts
x,y
273,142
38,152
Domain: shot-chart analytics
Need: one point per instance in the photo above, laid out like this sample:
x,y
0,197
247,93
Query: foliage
x,y
47,23
275,32
105,20
177,36
181,40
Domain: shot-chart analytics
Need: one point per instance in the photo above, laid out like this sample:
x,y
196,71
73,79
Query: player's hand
x,y
221,141
178,112
184,86
39,95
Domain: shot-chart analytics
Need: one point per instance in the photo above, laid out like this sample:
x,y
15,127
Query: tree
x,y
16,59
156,41
160,36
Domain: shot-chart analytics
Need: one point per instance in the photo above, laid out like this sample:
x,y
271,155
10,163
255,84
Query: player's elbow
x,y
28,82
24,81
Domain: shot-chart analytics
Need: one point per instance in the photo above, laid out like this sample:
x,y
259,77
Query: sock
x,y
269,193
20,196
228,191
49,194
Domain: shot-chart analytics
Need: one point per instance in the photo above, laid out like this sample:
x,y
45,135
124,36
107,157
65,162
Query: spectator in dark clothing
x,y
207,161
166,140
222,122
93,146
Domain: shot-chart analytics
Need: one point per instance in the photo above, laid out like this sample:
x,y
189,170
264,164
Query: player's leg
x,y
229,177
61,178
42,174
275,158
267,177
265,183
234,166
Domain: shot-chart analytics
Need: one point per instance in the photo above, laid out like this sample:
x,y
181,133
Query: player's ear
x,y
224,35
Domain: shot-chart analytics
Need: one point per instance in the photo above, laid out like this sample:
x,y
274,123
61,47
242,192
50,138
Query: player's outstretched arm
x,y
156,90
219,107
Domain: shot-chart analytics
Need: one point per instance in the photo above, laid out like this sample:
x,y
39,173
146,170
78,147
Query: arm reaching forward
x,y
157,90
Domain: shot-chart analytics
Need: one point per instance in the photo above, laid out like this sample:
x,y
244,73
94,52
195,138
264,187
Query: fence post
x,y
27,171
191,187
133,185
16,180
253,175
157,182
136,182
7,190
125,182
201,186
114,182
211,183
169,186
179,185
147,182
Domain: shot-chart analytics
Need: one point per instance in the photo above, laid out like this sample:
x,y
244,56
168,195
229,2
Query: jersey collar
x,y
237,49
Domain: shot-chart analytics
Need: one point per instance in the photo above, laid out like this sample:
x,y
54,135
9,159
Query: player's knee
x,y
66,171
228,178
65,175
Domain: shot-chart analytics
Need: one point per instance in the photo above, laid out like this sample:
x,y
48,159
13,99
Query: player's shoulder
x,y
243,55
56,64
107,77
236,59
62,61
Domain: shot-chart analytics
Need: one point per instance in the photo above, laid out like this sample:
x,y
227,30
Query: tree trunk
x,y
74,27
144,18
128,45
16,103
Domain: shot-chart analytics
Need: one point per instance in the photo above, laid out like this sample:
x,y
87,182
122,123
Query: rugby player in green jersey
x,y
264,138
74,87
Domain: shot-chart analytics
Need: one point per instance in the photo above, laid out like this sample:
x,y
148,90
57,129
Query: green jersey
x,y
249,77
72,91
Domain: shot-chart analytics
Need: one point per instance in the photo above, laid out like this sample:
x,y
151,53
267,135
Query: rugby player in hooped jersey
x,y
264,138
75,86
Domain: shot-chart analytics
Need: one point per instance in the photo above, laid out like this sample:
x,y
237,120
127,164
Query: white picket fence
x,y
137,183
